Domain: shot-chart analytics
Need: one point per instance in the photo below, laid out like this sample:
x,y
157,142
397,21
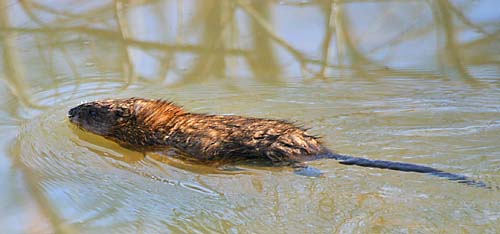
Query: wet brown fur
x,y
151,125
156,124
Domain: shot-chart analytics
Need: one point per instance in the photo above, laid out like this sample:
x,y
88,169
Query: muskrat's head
x,y
124,118
102,117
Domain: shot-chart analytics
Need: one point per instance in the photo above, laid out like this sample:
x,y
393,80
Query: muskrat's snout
x,y
97,117
72,112
75,114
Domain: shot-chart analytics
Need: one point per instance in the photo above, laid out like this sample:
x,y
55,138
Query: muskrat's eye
x,y
93,114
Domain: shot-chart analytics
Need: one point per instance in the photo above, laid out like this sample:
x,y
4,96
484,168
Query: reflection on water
x,y
409,81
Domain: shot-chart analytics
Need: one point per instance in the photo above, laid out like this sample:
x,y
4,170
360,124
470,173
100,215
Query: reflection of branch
x,y
47,60
464,19
329,30
14,74
167,60
344,39
36,191
214,51
68,17
73,68
123,30
113,35
408,33
411,31
451,49
26,5
339,35
214,24
262,61
478,51
269,30
15,80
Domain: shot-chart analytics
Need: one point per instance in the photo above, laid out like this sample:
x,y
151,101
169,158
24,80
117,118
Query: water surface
x,y
405,81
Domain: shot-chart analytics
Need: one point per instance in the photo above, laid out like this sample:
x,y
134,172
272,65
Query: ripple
x,y
450,131
98,186
92,183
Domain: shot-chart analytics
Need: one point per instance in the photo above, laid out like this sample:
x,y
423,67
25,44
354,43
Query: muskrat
x,y
149,125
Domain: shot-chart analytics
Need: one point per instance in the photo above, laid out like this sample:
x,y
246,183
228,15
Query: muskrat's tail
x,y
407,167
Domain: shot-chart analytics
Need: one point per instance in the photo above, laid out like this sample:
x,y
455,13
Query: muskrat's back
x,y
216,136
152,124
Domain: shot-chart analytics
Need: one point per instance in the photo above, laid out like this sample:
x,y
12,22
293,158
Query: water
x,y
420,89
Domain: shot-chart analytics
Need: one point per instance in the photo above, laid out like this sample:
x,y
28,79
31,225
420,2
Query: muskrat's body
x,y
150,124
155,124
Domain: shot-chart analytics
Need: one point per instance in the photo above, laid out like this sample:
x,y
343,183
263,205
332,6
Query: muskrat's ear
x,y
123,112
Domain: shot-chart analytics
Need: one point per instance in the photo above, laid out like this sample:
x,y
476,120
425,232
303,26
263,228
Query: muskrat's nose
x,y
72,112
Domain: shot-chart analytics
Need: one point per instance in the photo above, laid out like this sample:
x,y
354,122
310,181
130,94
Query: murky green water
x,y
405,81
